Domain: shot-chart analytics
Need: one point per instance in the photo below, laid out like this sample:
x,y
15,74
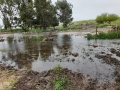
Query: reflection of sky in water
x,y
26,53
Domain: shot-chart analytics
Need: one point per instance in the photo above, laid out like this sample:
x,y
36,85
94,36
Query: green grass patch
x,y
39,30
59,83
109,35
36,38
13,30
60,80
58,69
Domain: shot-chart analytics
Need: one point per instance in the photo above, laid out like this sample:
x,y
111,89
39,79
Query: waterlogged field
x,y
97,59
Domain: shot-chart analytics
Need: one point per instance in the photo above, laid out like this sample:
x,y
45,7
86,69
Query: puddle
x,y
70,50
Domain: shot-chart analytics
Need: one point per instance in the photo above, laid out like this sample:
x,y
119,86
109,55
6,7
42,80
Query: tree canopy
x,y
28,13
64,12
105,17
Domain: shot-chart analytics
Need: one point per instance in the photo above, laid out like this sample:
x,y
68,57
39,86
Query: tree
x,y
8,11
112,17
45,13
64,12
26,13
105,17
54,19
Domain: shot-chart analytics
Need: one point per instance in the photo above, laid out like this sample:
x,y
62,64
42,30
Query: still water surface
x,y
28,52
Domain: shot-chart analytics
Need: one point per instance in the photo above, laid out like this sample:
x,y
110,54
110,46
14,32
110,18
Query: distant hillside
x,y
77,25
85,24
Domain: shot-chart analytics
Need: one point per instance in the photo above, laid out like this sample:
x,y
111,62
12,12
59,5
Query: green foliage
x,y
64,12
59,83
58,68
90,36
8,12
46,13
60,80
77,25
37,38
105,17
101,36
104,25
13,30
26,14
109,35
115,23
38,30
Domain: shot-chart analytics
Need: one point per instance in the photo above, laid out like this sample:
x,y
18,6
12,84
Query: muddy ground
x,y
11,79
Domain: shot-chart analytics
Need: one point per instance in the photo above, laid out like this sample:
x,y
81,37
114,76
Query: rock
x,y
1,40
95,46
73,60
87,54
45,39
75,54
65,53
48,86
48,78
118,54
48,39
51,39
112,50
102,52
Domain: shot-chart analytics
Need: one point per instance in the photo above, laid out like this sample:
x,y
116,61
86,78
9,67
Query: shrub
x,y
109,35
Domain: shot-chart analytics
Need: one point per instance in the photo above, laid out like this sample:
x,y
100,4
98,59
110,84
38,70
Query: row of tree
x,y
37,13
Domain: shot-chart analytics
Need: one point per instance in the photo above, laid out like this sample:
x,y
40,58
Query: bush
x,y
109,35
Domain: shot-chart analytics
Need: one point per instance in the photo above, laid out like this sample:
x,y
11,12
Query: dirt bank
x,y
11,79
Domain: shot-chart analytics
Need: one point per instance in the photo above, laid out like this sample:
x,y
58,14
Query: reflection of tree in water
x,y
24,58
32,47
46,49
66,44
10,39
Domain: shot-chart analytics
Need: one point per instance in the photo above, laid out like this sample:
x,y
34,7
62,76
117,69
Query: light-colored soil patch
x,y
8,77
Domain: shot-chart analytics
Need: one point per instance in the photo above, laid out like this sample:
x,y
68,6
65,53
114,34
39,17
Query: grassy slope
x,y
76,24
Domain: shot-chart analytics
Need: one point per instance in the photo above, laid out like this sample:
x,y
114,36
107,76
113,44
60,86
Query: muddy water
x,y
28,52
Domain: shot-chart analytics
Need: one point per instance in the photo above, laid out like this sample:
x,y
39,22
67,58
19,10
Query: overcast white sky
x,y
89,9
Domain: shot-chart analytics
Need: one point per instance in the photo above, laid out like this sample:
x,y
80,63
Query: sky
x,y
90,9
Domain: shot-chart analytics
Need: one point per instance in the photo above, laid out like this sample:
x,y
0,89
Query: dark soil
x,y
108,59
31,80
43,81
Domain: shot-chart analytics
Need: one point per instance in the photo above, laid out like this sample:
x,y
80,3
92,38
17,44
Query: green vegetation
x,y
60,81
65,12
109,35
58,68
13,30
105,17
78,25
37,38
40,14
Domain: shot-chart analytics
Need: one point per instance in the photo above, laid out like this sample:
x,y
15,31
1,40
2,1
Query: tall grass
x,y
109,35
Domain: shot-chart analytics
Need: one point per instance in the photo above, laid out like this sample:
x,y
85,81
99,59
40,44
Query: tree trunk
x,y
96,30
